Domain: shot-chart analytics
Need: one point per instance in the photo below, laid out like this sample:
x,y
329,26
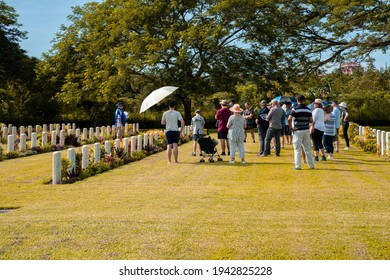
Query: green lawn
x,y
191,210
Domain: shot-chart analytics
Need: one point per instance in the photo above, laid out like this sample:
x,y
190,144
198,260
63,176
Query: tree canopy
x,y
247,49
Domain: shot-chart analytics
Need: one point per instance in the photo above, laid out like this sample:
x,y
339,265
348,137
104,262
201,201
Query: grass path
x,y
192,210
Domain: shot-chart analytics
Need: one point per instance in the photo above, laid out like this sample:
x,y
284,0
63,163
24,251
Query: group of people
x,y
296,125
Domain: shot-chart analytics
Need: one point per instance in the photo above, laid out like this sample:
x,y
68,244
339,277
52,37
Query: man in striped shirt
x,y
299,122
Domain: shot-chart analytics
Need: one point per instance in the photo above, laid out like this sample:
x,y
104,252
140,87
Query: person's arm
x,y
163,121
289,120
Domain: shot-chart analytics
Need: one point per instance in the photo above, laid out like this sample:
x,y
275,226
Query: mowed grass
x,y
191,210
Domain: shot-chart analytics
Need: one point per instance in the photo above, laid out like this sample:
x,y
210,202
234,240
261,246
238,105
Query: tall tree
x,y
124,49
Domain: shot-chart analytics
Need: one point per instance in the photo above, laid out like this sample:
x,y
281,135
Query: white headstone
x,y
85,134
23,139
383,143
73,126
85,158
14,131
139,143
72,158
56,168
151,136
126,129
29,131
146,136
21,130
156,136
388,143
44,138
107,147
10,143
132,144
63,126
33,139
91,132
108,131
117,143
126,145
62,138
37,129
137,127
97,132
96,152
5,132
10,127
78,134
54,138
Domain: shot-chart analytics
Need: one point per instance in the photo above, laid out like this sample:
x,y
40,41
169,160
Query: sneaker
x,y
297,168
243,162
315,158
193,154
231,161
323,158
254,141
346,148
312,167
201,154
228,153
223,154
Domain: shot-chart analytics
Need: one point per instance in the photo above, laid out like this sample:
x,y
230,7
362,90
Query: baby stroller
x,y
208,147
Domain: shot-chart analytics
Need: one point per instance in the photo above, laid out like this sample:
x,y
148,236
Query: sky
x,y
42,20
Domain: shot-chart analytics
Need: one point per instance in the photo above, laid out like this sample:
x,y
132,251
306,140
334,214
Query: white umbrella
x,y
155,97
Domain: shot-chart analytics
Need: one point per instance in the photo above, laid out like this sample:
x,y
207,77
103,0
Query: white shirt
x,y
172,118
318,119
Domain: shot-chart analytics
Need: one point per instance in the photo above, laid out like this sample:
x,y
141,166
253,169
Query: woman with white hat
x,y
318,129
345,123
236,134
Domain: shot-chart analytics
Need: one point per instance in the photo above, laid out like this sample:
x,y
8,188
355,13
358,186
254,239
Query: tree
x,y
125,49
313,34
10,35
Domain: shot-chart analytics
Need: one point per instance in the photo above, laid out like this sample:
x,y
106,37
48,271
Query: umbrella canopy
x,y
155,97
324,103
285,99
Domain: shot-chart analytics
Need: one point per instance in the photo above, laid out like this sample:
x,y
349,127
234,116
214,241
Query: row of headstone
x,y
130,146
68,129
98,132
382,140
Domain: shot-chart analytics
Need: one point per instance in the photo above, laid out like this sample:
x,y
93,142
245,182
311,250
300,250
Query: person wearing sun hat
x,y
222,116
345,123
317,129
236,134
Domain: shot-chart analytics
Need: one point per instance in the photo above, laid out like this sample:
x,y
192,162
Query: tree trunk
x,y
187,110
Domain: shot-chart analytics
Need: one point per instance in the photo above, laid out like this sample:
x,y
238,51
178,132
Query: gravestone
x,y
56,168
44,138
54,138
96,152
10,143
132,144
72,159
33,139
107,147
85,157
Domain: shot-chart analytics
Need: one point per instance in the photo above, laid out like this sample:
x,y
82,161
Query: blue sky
x,y
42,20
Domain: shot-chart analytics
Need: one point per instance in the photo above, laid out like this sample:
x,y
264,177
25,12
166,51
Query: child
x,y
197,123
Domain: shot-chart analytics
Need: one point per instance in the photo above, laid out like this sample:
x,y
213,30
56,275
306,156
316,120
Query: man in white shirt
x,y
170,119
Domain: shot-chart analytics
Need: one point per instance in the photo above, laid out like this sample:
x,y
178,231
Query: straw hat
x,y
318,101
236,108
